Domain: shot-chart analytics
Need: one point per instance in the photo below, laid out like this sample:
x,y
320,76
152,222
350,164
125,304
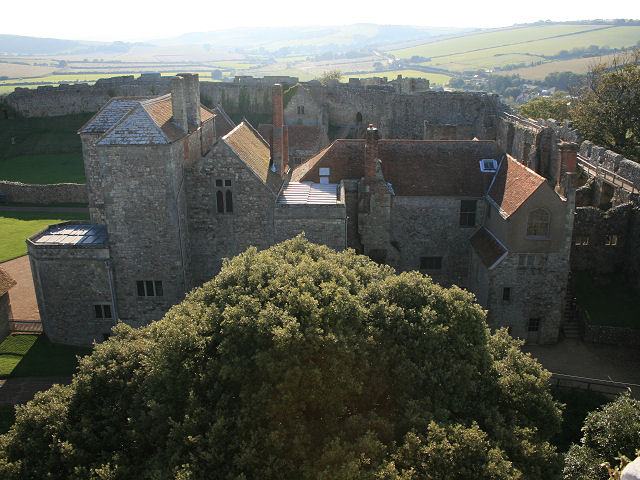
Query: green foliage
x,y
556,107
608,112
288,94
329,75
244,101
298,362
608,433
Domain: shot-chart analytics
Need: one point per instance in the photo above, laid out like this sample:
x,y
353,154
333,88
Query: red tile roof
x,y
251,148
413,167
301,137
514,183
488,248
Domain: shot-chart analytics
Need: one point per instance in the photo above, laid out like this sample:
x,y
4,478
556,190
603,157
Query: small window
x,y
149,288
300,109
488,165
468,213
324,180
581,240
538,224
527,260
102,311
430,263
611,240
324,171
534,325
224,195
506,294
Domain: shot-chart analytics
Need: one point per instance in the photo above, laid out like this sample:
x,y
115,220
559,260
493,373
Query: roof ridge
x,y
149,101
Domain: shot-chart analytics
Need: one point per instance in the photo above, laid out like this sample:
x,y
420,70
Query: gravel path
x,y
22,296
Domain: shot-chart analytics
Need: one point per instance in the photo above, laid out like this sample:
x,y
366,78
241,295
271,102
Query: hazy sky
x,y
141,19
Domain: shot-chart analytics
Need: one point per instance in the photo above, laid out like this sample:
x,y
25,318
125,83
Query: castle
x,y
171,194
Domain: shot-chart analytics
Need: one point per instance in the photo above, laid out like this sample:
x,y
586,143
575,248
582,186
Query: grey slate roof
x,y
85,235
136,128
110,114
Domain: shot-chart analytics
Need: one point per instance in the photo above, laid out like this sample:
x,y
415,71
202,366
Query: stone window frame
x,y
535,226
534,324
433,263
102,311
582,240
300,109
149,288
506,294
612,240
467,213
223,188
527,260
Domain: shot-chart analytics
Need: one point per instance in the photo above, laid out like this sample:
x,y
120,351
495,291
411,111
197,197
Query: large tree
x,y
298,362
556,107
608,433
608,110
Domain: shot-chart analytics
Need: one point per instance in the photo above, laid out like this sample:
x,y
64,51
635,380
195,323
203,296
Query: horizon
x,y
111,24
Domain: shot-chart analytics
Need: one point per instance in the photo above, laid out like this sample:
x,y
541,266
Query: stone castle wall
x,y
51,193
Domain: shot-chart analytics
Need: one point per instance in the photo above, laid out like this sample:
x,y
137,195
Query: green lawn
x,y
27,355
611,301
15,227
43,169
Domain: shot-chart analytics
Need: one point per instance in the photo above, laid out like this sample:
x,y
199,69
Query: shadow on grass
x,y
41,357
7,417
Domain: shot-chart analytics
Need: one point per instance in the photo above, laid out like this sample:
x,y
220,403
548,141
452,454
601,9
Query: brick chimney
x,y
285,150
277,141
191,83
567,167
371,153
178,104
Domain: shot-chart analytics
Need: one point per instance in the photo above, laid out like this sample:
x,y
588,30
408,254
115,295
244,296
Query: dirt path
x,y
23,295
22,389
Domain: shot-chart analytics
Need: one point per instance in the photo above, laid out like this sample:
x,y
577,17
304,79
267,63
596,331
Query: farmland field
x,y
577,65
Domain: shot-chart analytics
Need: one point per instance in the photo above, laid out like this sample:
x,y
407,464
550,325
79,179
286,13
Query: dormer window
x,y
488,165
324,175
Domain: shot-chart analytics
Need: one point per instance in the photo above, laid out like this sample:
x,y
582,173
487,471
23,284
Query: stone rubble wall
x,y
52,193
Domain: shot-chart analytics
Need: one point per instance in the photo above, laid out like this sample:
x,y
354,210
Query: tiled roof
x,y
6,282
412,167
224,124
136,128
70,234
110,114
308,193
300,137
245,141
487,246
514,183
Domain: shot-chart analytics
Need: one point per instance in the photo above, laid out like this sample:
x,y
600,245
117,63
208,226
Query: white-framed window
x,y
488,165
324,173
527,260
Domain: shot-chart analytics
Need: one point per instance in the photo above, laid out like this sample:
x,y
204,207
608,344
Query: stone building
x,y
170,196
6,282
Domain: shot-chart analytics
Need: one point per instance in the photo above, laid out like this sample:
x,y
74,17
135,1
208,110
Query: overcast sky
x,y
129,20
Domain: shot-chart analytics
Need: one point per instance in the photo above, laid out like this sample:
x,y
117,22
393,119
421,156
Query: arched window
x,y
229,201
220,201
538,224
358,118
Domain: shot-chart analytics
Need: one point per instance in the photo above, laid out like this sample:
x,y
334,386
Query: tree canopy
x,y
608,433
556,107
608,111
298,362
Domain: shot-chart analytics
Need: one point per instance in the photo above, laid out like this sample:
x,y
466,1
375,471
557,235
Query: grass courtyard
x,y
16,227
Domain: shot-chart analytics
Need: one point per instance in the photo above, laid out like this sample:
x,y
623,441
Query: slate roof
x,y
412,167
513,185
488,247
6,282
138,121
308,193
251,148
70,234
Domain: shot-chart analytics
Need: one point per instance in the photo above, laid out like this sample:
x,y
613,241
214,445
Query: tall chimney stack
x,y
277,142
567,166
178,104
371,153
191,84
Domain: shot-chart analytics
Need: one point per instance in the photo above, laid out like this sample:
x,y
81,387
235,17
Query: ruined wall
x,y
593,232
214,235
619,336
72,279
52,193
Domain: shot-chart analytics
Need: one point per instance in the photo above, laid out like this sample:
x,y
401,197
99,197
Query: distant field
x,y
43,169
391,75
528,44
14,70
577,65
